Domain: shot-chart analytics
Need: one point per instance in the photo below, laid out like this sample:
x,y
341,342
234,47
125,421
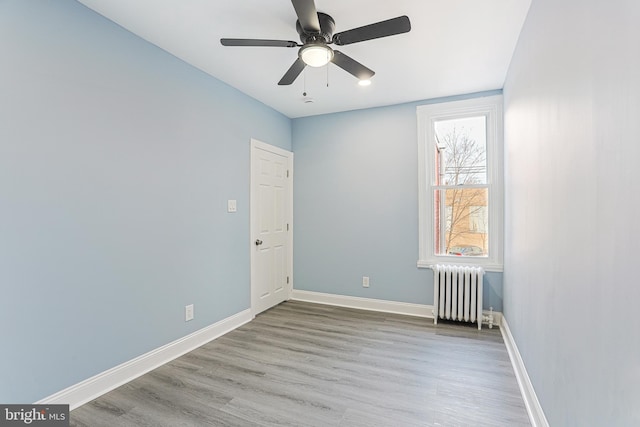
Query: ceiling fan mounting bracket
x,y
327,27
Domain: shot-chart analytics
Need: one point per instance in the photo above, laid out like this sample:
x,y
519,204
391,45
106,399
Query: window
x,y
460,172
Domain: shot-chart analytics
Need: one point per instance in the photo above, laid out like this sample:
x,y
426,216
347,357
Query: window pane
x,y
462,221
461,146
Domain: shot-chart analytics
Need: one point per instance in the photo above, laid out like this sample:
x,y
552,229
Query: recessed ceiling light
x,y
366,82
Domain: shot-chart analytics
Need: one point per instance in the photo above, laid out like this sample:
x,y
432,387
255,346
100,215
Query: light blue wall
x,y
356,206
572,141
116,162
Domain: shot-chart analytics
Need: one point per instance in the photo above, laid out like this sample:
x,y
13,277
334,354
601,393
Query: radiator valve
x,y
490,317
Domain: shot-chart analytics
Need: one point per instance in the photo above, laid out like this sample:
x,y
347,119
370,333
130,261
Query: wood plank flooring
x,y
302,364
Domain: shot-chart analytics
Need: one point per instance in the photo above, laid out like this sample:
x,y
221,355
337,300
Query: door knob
x,y
258,242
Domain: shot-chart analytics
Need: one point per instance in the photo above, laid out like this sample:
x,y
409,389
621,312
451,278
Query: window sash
x,y
455,219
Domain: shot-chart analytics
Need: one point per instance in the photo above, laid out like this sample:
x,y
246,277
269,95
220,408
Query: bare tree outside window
x,y
462,197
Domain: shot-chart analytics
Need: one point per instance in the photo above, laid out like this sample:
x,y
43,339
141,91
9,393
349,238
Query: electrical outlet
x,y
188,312
365,281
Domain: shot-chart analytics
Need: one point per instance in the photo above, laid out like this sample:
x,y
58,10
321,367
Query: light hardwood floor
x,y
302,364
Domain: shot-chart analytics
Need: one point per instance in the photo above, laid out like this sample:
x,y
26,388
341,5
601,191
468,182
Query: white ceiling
x,y
454,47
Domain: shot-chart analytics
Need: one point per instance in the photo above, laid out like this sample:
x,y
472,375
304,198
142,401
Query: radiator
x,y
457,294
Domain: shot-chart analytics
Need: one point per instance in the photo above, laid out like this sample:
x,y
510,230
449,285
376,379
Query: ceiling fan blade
x,y
307,15
258,42
390,27
352,66
292,73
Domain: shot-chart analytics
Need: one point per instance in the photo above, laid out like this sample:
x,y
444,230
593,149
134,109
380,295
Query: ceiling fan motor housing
x,y
327,27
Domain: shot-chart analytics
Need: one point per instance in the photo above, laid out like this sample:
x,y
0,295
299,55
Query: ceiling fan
x,y
316,33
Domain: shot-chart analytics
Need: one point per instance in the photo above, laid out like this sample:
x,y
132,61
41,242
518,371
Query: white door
x,y
271,225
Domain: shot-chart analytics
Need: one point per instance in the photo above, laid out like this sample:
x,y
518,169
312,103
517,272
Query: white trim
x,y
491,107
492,268
271,148
94,387
531,402
364,303
384,306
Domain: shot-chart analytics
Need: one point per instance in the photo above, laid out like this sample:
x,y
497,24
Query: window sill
x,y
484,263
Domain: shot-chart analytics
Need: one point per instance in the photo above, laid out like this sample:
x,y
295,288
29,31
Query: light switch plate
x,y
232,206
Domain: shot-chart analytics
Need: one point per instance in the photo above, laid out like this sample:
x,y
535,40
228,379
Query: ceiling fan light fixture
x,y
316,55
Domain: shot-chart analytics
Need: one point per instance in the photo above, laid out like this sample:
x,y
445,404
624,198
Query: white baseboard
x,y
534,409
91,388
364,303
409,309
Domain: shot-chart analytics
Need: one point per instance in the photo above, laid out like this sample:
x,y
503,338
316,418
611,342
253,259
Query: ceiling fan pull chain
x,y
327,74
304,93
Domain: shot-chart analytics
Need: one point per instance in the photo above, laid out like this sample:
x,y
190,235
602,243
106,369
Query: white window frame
x,y
491,108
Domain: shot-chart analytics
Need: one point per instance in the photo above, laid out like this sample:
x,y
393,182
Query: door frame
x,y
253,215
